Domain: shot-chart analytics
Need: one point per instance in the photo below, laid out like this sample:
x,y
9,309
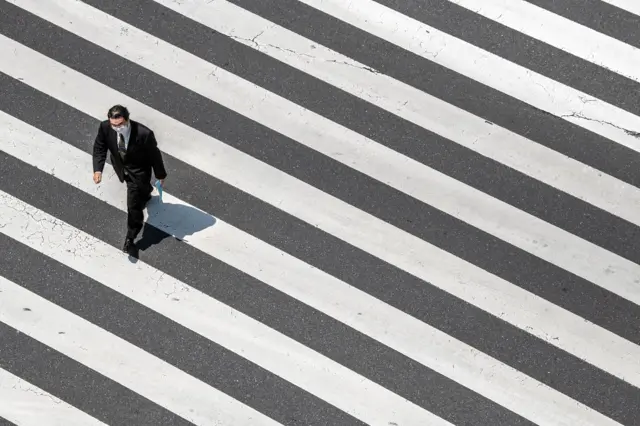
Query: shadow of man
x,y
168,220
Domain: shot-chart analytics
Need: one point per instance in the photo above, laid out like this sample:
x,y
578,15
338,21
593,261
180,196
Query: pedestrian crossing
x,y
36,406
376,212
625,5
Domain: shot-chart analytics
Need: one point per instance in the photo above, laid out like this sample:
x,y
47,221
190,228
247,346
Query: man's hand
x,y
97,177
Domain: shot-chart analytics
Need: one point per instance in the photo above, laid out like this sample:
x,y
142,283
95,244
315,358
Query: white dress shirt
x,y
126,134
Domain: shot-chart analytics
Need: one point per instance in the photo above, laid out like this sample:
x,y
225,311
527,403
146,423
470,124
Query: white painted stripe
x,y
535,89
473,132
451,274
435,349
500,219
444,119
250,339
96,348
533,159
632,6
550,243
563,33
25,404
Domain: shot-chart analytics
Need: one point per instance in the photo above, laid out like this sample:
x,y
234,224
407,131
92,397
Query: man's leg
x,y
137,198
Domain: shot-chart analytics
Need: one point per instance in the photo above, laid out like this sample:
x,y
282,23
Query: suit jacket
x,y
142,155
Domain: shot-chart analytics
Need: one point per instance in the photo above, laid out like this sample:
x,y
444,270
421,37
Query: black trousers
x,y
138,195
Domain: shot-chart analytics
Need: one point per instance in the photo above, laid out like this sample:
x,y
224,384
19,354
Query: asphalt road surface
x,y
392,213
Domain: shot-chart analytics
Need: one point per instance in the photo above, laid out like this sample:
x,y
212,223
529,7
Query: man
x,y
134,153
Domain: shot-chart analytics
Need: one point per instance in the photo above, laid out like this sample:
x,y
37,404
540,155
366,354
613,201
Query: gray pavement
x,y
455,314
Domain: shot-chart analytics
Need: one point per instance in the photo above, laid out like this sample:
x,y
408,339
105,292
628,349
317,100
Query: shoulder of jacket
x,y
141,130
104,126
141,127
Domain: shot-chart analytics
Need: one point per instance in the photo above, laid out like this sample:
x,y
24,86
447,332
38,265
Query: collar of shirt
x,y
126,134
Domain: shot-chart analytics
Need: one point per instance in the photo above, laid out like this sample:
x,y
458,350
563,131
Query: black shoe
x,y
128,245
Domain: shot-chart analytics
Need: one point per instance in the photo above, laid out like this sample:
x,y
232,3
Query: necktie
x,y
121,146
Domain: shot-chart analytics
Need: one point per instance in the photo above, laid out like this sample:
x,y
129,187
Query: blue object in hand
x,y
159,188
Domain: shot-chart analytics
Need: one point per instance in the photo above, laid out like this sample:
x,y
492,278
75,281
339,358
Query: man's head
x,y
118,118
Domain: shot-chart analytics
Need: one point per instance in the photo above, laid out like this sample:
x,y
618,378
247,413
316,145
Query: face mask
x,y
121,129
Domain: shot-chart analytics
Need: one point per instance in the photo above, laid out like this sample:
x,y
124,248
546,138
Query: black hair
x,y
118,111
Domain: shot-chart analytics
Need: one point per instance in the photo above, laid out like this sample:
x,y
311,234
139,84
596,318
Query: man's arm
x,y
156,157
99,151
99,155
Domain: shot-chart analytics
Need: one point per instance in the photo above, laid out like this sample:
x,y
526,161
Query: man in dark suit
x,y
134,154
